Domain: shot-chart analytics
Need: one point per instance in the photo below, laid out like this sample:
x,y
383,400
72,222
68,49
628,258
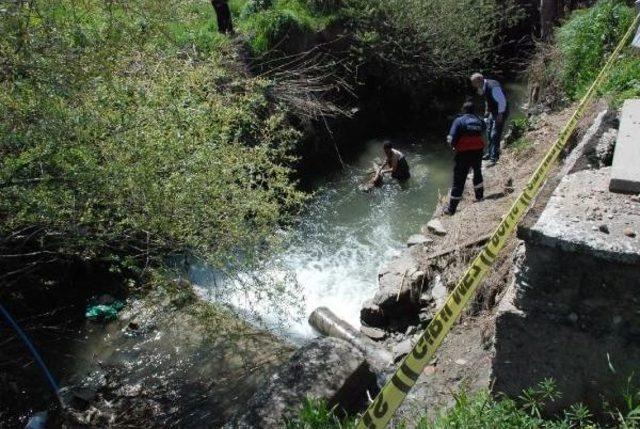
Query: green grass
x,y
482,411
292,19
585,42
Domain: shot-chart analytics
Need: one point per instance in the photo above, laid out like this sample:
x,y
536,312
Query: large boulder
x,y
397,299
326,368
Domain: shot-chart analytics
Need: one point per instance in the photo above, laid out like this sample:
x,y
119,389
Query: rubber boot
x,y
453,206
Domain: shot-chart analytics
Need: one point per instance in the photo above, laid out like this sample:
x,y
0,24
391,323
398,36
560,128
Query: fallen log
x,y
479,241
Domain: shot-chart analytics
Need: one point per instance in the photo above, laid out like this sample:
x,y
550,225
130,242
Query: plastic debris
x,y
103,312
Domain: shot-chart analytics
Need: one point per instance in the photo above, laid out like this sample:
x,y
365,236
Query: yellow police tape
x,y
393,393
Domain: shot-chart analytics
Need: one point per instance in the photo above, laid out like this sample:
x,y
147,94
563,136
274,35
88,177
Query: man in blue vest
x,y
465,138
496,112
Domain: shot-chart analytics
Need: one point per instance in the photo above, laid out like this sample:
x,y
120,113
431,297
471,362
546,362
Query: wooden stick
x,y
470,243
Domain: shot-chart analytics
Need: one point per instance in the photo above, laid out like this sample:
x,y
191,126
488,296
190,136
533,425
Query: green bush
x,y
585,42
324,6
119,142
255,6
414,43
276,28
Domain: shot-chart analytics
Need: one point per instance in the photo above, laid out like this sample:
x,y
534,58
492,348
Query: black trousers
x,y
465,161
223,14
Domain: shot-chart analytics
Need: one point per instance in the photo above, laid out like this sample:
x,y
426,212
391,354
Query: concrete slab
x,y
583,217
625,172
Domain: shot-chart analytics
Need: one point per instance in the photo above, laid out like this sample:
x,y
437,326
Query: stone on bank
x,y
326,368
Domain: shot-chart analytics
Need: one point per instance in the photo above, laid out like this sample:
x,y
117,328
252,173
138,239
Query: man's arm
x,y
454,133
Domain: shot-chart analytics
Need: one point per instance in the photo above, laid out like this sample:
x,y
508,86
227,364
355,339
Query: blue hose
x,y
32,349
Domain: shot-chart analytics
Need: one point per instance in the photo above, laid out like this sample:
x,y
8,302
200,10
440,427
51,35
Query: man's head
x,y
468,107
477,80
386,147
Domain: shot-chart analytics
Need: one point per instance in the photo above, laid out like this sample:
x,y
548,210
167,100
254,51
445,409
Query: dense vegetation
x,y
482,411
125,136
416,43
580,49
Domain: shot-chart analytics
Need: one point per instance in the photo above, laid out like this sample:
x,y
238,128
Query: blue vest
x,y
492,104
467,134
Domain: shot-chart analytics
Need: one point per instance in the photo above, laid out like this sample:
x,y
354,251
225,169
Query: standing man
x,y
465,138
496,112
223,14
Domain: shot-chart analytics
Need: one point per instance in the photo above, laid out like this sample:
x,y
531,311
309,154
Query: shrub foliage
x,y
125,136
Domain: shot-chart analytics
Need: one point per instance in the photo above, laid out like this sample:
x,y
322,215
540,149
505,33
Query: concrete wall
x,y
572,312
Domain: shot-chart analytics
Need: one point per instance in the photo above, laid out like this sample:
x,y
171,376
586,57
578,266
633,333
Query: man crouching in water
x,y
396,163
466,140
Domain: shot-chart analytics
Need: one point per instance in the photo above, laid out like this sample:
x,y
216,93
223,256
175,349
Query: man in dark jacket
x,y
465,138
223,14
496,112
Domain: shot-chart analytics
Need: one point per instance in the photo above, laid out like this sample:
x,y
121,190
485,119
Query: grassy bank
x,y
483,411
566,67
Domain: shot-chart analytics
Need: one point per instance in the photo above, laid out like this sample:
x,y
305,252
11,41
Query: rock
x,y
401,349
573,317
508,186
461,362
417,277
410,330
435,227
371,314
429,370
425,316
105,299
426,298
635,198
629,232
130,390
373,333
326,368
417,239
602,154
439,292
604,228
399,283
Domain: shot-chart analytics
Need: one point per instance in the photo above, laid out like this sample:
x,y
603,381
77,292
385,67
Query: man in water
x,y
465,138
396,163
496,112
